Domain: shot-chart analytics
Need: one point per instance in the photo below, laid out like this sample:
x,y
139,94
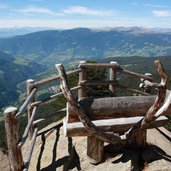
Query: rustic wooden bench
x,y
115,115
116,120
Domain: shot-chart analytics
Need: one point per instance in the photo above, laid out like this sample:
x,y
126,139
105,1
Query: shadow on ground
x,y
68,162
139,159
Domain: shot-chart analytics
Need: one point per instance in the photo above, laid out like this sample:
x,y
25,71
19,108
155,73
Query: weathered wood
x,y
98,133
12,135
53,115
99,65
29,125
113,107
30,150
143,85
96,82
148,89
166,107
139,142
29,88
43,101
119,125
161,94
27,101
82,76
136,74
132,90
51,127
55,78
152,112
112,77
165,132
95,149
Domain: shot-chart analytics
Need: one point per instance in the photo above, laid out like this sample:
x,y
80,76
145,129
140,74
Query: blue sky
x,y
85,13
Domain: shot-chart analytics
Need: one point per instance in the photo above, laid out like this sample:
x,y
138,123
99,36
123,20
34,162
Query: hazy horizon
x,y
64,14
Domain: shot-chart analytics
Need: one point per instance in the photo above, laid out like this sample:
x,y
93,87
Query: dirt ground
x,y
54,152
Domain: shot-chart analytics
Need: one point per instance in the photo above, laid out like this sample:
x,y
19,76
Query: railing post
x,y
95,149
140,140
29,107
112,77
12,135
143,83
82,76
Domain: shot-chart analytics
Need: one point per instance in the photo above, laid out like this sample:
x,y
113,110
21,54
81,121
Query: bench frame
x,y
136,134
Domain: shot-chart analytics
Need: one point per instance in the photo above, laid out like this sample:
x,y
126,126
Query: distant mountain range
x,y
24,56
15,31
53,46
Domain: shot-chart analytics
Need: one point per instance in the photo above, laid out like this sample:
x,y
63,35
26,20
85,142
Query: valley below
x,y
34,55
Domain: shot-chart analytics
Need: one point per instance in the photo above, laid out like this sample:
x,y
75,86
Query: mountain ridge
x,y
54,46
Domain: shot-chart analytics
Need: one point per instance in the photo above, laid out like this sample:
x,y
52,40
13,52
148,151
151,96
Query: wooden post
x,y
95,149
12,135
156,109
144,82
29,107
148,89
112,77
140,140
82,76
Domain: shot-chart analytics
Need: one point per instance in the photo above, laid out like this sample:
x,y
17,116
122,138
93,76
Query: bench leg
x,y
140,140
95,149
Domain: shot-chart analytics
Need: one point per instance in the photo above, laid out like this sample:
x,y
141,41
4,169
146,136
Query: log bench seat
x,y
115,115
119,125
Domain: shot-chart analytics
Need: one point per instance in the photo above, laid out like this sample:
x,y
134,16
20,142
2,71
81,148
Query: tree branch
x,y
97,132
152,114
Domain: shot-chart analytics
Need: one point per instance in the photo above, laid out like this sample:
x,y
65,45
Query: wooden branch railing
x,y
55,78
12,114
30,150
43,101
12,134
156,110
84,65
98,133
28,127
112,77
132,90
25,104
41,120
135,74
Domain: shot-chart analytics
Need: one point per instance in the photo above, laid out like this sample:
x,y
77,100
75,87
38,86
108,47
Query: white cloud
x,y
82,10
38,10
162,13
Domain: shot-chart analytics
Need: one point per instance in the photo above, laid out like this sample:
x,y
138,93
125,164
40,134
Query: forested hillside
x,y
38,52
54,46
14,71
